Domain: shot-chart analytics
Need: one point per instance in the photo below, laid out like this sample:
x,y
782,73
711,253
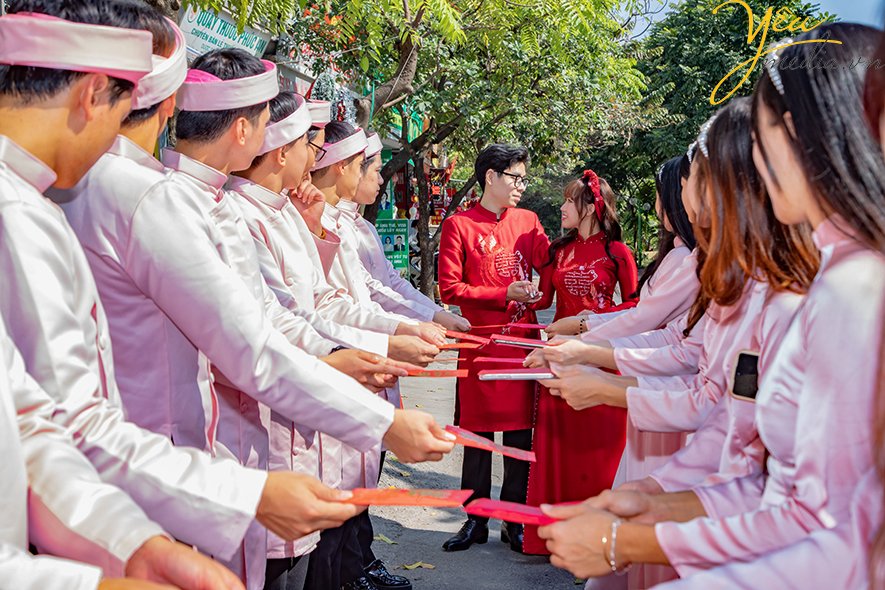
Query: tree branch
x,y
429,137
400,85
395,101
418,18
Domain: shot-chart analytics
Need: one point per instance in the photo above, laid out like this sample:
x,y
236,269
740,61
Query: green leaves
x,y
680,60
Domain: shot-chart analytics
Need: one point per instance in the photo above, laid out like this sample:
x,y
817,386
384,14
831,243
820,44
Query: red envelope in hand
x,y
438,373
508,340
469,439
506,360
509,512
459,346
467,337
401,497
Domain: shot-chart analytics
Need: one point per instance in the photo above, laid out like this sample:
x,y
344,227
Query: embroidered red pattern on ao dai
x,y
480,254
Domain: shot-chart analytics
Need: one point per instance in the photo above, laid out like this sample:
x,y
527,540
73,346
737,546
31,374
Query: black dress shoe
x,y
513,534
383,579
471,532
362,584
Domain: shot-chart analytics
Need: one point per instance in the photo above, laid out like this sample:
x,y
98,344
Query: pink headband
x,y
375,146
166,76
320,112
43,41
336,152
283,132
592,181
202,91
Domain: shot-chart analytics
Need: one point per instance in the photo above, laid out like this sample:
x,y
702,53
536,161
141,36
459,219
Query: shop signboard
x,y
206,30
395,242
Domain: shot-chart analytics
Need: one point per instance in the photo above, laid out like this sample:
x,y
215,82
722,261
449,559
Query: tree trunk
x,y
425,242
456,200
168,7
431,136
399,85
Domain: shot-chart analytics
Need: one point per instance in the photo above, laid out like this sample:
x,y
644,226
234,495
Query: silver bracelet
x,y
612,550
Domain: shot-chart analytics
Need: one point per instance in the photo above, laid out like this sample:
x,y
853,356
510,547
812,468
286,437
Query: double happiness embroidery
x,y
509,266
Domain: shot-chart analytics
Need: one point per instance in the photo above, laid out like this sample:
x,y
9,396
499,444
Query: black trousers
x,y
476,471
337,558
365,533
285,574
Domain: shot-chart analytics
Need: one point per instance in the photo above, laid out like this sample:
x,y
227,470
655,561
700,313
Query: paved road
x,y
420,532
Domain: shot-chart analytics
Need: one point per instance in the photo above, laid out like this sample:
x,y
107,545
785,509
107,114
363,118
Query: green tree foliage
x,y
553,75
544,197
548,74
684,57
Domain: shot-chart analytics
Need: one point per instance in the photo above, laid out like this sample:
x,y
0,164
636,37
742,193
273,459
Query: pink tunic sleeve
x,y
827,558
661,352
672,410
675,359
728,445
672,333
671,292
814,409
699,458
210,302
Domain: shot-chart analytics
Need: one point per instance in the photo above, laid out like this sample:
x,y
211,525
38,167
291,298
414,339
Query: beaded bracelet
x,y
582,326
612,550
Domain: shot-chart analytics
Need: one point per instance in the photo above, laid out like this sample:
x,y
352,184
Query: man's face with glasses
x,y
504,189
315,148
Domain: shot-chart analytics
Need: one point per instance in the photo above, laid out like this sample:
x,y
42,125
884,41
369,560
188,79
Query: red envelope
x,y
438,373
523,374
489,327
401,497
528,326
507,340
469,439
491,359
508,511
518,326
467,337
459,346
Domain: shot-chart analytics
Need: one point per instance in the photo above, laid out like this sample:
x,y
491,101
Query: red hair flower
x,y
592,181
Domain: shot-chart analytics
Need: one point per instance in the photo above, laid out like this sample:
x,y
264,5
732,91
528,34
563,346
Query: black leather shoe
x,y
513,534
383,579
471,532
362,584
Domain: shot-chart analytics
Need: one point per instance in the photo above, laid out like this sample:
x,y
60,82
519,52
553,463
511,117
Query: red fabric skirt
x,y
578,455
493,406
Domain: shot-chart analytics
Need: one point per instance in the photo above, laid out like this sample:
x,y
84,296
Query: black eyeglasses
x,y
518,181
320,152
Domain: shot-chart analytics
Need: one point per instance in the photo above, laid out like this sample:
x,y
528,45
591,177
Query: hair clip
x,y
772,62
692,151
702,136
661,170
